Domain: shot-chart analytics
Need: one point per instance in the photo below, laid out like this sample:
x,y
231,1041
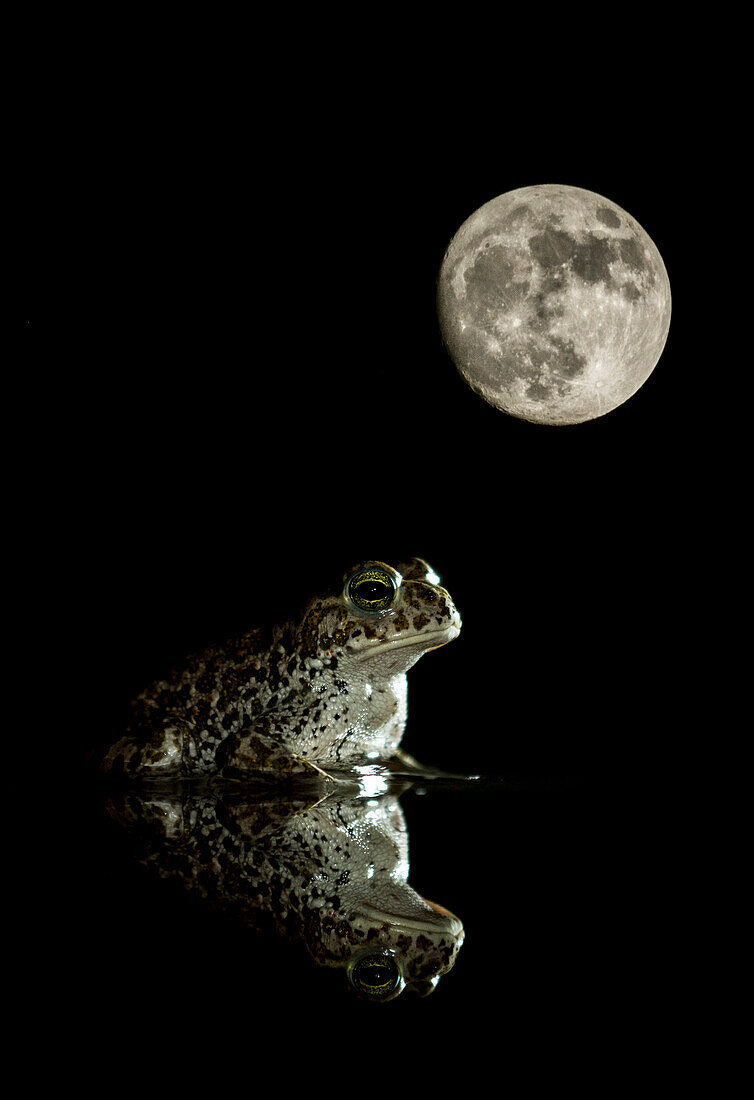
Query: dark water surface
x,y
562,886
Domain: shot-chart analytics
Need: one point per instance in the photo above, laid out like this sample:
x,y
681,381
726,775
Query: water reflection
x,y
328,866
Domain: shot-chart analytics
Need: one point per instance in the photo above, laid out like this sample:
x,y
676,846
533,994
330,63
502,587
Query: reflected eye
x,y
375,976
372,589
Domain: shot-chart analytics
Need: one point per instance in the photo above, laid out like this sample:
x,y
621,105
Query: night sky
x,y
250,395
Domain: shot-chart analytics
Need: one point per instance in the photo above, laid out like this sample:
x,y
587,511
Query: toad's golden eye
x,y
376,976
372,589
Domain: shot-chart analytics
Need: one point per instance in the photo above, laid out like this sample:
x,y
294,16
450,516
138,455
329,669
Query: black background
x,y
237,389
251,395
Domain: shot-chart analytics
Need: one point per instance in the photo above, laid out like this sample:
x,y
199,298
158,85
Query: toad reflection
x,y
331,871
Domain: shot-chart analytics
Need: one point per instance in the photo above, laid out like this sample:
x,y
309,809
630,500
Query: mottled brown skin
x,y
326,691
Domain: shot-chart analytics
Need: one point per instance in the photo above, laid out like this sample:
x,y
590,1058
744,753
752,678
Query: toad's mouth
x,y
448,635
426,641
437,920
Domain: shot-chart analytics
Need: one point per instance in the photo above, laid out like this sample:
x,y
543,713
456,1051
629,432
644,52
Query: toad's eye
x,y
376,976
372,589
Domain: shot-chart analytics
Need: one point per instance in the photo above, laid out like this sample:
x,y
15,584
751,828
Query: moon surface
x,y
554,304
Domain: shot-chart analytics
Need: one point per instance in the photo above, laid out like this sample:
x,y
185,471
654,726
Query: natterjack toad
x,y
327,691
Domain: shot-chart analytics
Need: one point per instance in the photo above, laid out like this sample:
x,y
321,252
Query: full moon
x,y
554,304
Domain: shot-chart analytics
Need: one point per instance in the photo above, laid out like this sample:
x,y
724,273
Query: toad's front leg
x,y
262,752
